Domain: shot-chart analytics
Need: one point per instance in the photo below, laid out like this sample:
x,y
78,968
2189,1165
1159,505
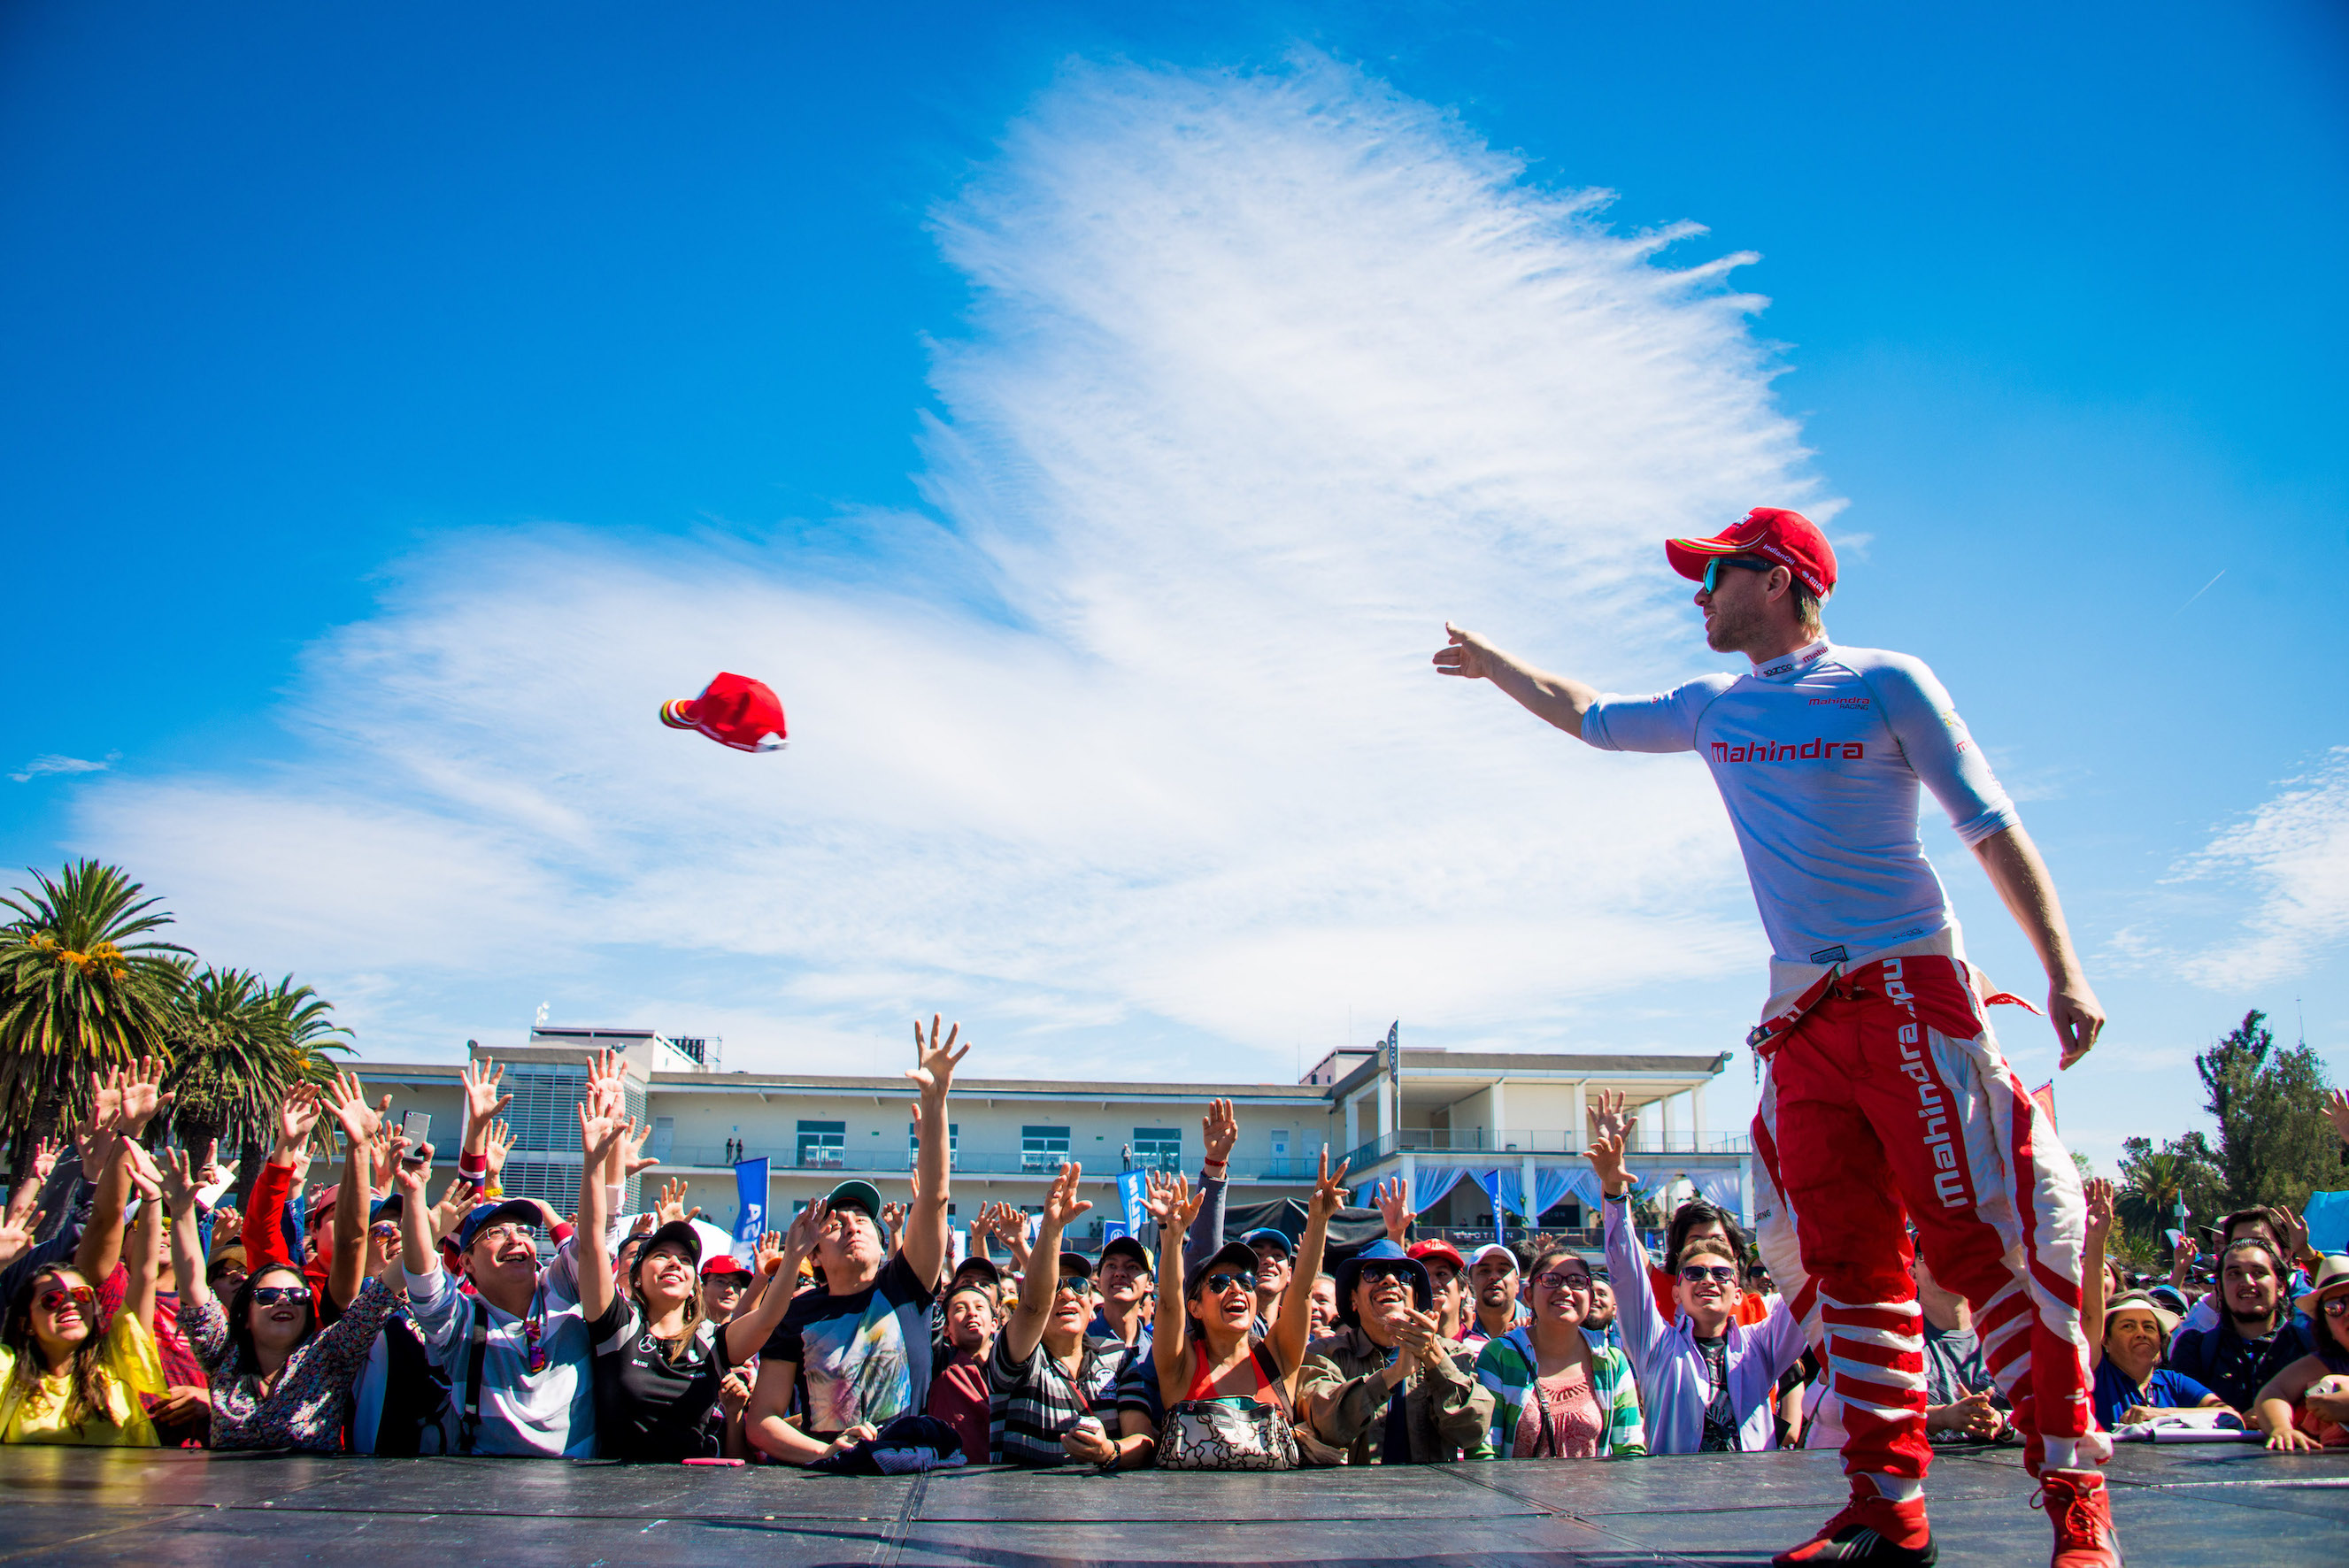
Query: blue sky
x,y
1083,416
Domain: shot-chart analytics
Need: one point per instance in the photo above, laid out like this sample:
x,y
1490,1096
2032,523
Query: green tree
x,y
237,1045
2275,1145
83,986
2153,1180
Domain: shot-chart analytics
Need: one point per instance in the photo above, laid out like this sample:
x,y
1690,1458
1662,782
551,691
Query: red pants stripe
x,y
1889,1101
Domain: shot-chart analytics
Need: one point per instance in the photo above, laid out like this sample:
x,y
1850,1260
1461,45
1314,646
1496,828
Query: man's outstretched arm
x,y
2012,863
1556,698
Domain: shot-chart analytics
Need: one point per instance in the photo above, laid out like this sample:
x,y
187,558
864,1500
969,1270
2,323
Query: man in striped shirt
x,y
1051,1385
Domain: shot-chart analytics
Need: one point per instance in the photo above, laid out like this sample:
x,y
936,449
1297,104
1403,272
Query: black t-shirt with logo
x,y
647,1405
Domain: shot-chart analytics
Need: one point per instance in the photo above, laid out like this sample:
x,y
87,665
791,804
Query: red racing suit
x,y
1886,1101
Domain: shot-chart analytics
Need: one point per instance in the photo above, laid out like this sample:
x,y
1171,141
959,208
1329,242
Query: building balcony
x,y
1469,1146
704,1158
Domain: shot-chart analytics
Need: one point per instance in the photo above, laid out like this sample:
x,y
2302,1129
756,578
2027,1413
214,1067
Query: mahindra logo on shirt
x,y
1792,661
1819,750
1838,702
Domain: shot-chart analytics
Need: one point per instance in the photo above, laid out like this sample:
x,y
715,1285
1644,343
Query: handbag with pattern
x,y
1230,1433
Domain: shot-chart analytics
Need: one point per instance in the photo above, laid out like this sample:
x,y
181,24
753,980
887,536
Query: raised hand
x,y
2336,1107
145,1179
2181,1263
934,1061
2099,1194
297,1114
633,1161
16,1235
143,1095
502,1142
1329,1194
599,1134
1392,1198
1606,1118
2295,1233
799,1241
179,1177
1219,1129
409,1178
357,1118
1162,1192
892,1219
769,1255
482,1100
1061,1204
671,1207
1464,654
1606,1157
45,1159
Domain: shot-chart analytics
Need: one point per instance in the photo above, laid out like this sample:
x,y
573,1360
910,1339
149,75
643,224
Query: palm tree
x,y
237,1045
82,987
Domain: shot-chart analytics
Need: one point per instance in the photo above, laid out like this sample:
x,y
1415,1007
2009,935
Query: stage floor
x,y
2176,1506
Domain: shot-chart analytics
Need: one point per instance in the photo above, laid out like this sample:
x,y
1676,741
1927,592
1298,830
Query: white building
x,y
1458,1126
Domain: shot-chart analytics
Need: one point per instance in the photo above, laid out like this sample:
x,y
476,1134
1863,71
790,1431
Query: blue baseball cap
x,y
1268,1234
522,1209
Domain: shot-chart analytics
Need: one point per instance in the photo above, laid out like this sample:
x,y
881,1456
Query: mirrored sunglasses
x,y
271,1294
54,1299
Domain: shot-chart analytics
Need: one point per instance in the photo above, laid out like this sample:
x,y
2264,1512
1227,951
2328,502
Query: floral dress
x,y
310,1403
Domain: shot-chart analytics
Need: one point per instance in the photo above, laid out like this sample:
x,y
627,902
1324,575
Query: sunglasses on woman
x,y
1220,1283
1699,1273
54,1299
1555,1280
271,1294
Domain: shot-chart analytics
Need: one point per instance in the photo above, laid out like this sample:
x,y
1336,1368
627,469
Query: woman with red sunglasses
x,y
67,1375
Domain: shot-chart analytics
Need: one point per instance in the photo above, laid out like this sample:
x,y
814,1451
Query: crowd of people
x,y
380,1317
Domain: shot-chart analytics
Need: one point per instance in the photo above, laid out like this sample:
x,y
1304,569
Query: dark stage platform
x,y
2176,1506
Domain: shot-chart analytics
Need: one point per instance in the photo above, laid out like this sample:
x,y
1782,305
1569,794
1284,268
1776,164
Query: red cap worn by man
x,y
1887,1098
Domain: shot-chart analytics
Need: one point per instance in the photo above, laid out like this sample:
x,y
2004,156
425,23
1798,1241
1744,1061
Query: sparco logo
x,y
1819,750
1933,1108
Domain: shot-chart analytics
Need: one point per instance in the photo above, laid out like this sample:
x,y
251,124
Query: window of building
x,y
914,1143
1158,1148
1043,1148
823,1145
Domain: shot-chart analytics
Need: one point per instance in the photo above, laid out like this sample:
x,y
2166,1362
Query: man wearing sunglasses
x,y
1887,1096
1388,1387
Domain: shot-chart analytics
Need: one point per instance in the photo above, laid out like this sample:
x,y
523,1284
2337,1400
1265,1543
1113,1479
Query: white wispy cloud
x,y
1268,375
2292,854
40,766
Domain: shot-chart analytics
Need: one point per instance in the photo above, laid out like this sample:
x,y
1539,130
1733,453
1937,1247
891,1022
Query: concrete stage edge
x,y
2175,1505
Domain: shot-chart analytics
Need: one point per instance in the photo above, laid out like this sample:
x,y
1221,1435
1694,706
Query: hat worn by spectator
x,y
2167,1319
725,1264
1350,1273
679,1234
1494,1249
1769,535
1440,1252
978,1264
1268,1234
389,1208
513,1209
2332,1279
1127,1247
862,1195
1234,1257
1076,1265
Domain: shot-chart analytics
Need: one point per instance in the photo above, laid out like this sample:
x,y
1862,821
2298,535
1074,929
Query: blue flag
x,y
1111,1229
1132,1186
750,1218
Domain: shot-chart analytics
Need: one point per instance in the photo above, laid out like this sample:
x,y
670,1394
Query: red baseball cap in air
x,y
1788,538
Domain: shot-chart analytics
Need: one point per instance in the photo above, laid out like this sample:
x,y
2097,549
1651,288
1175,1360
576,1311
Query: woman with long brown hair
x,y
67,1375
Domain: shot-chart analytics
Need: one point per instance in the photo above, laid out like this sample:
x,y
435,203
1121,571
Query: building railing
x,y
853,1161
1470,1145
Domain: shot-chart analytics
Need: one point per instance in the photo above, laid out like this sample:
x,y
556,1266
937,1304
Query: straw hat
x,y
2167,1319
2332,1276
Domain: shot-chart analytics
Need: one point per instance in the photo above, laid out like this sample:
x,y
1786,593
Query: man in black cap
x,y
1388,1387
1124,1284
857,1352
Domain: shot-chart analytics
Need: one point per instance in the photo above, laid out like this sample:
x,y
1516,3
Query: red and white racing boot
x,y
1871,1529
2081,1509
